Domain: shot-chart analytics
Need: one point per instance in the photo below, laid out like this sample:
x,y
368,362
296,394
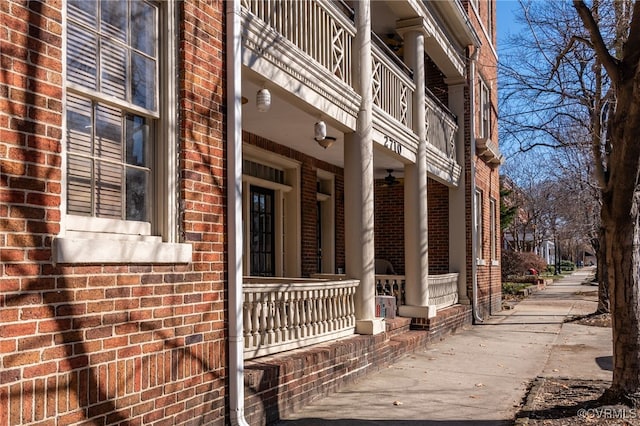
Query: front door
x,y
262,232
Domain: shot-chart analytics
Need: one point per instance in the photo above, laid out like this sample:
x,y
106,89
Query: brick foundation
x,y
447,321
276,386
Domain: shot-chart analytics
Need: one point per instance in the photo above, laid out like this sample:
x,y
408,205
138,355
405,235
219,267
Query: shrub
x,y
567,265
516,263
513,288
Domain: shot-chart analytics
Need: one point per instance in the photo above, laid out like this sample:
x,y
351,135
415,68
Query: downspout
x,y
234,211
472,167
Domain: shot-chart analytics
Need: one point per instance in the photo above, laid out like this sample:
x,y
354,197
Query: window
x,y
493,229
119,142
478,224
262,231
485,111
112,108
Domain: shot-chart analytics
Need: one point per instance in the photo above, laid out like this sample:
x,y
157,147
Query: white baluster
x,y
271,317
246,319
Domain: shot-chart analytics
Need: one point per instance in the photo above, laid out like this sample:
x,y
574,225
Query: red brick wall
x,y
438,216
107,344
389,224
487,178
309,208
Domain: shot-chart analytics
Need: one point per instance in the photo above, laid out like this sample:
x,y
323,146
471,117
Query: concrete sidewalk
x,y
479,376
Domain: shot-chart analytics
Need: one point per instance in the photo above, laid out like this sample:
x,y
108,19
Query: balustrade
x,y
441,128
443,290
318,28
324,30
284,314
392,87
391,285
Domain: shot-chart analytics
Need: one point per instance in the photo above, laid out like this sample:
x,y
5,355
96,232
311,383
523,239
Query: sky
x,y
506,11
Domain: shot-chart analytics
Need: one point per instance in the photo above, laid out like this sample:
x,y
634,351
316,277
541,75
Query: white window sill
x,y
480,262
106,250
495,263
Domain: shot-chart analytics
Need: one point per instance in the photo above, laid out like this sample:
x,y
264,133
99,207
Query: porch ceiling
x,y
290,122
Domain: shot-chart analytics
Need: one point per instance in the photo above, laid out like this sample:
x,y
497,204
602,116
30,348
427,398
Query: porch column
x,y
416,228
358,183
458,250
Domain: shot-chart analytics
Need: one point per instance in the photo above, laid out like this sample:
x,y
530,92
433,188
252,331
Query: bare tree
x,y
619,172
558,95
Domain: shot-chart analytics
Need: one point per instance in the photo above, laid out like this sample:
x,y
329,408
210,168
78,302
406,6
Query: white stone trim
x,y
106,249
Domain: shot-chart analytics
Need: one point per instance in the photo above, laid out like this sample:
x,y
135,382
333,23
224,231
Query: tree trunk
x,y
624,263
602,275
620,204
620,214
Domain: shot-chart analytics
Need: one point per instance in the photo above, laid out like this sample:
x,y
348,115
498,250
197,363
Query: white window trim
x,y
97,240
485,110
328,221
493,234
478,223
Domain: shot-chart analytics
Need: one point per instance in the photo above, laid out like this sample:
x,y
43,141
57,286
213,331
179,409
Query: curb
x,y
530,398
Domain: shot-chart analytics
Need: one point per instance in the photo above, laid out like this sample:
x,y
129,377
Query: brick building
x,y
192,189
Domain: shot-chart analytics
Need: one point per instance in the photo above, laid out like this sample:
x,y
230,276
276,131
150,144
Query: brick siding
x,y
487,178
107,344
389,224
438,216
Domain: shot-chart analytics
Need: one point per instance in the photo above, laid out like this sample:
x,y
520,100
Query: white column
x,y
358,183
416,228
458,252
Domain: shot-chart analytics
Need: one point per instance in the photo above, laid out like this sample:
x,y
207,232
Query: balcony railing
x,y
281,314
392,87
318,28
441,128
391,285
324,31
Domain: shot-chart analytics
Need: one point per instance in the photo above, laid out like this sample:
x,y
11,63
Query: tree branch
x,y
609,62
566,50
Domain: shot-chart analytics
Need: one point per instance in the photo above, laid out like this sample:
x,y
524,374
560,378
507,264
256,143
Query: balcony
x,y
441,135
306,49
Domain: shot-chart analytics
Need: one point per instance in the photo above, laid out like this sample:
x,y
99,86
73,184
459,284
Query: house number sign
x,y
393,145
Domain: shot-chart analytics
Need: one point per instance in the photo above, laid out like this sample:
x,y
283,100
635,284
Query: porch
x,y
282,314
323,65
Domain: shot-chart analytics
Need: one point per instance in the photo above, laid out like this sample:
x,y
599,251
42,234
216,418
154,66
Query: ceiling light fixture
x,y
263,100
320,135
390,180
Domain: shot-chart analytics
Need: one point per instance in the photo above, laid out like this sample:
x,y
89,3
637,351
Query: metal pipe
x,y
234,212
472,142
